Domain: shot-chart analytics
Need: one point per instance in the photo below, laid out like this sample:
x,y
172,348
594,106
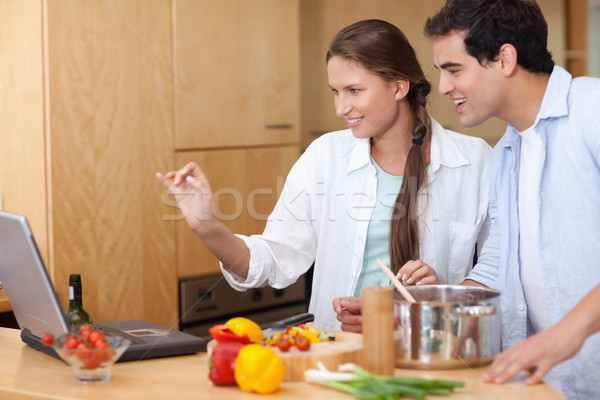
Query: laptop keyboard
x,y
113,332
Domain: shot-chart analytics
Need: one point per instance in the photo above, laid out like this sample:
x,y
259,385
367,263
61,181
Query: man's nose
x,y
445,86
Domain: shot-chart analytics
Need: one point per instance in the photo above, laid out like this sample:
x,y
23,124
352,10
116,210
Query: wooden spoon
x,y
396,282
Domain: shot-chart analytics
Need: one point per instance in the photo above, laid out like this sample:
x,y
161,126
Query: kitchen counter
x,y
26,373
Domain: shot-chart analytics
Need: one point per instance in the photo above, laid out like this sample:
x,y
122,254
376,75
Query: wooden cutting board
x,y
347,347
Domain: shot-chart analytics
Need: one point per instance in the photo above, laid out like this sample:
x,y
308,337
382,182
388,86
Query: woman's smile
x,y
353,122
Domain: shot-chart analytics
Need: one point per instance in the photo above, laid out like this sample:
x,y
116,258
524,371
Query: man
x,y
544,250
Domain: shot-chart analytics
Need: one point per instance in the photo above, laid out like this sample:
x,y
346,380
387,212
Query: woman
x,y
395,186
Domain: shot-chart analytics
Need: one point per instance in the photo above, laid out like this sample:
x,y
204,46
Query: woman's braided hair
x,y
382,49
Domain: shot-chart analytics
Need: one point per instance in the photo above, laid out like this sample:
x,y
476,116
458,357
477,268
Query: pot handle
x,y
475,311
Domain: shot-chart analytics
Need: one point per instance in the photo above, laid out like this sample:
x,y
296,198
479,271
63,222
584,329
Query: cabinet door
x,y
246,184
237,73
110,128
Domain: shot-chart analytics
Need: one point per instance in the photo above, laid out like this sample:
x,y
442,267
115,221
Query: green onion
x,y
366,386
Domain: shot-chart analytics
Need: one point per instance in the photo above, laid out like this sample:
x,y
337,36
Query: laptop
x,y
38,311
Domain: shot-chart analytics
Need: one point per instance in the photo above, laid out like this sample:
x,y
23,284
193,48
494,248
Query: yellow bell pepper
x,y
244,326
311,336
258,369
293,330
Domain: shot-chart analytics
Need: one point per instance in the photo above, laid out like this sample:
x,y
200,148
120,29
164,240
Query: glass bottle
x,y
76,315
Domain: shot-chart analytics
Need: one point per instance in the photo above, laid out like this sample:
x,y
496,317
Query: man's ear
x,y
507,59
402,87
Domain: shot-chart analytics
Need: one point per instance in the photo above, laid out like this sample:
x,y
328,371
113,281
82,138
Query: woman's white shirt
x,y
325,206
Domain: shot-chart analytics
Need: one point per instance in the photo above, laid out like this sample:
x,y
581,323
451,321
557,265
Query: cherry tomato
x,y
302,343
105,355
83,351
71,343
85,330
95,336
101,344
47,339
92,362
283,344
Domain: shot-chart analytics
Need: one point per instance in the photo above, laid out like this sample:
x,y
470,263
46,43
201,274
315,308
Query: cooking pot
x,y
449,326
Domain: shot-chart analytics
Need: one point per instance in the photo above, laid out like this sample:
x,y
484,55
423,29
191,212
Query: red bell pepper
x,y
222,334
221,363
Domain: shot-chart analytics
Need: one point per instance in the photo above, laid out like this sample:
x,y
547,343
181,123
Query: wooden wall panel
x,y
112,129
70,139
577,43
246,183
22,151
555,13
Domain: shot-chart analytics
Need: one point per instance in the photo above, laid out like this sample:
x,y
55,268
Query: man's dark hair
x,y
491,23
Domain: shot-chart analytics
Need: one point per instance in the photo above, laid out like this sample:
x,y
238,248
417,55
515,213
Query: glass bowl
x,y
91,364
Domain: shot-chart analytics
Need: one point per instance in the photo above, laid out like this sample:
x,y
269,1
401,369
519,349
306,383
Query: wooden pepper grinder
x,y
378,330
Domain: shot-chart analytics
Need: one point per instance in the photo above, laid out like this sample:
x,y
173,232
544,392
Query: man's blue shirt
x,y
569,243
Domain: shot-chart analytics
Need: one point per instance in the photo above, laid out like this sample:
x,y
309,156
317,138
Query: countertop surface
x,y
30,374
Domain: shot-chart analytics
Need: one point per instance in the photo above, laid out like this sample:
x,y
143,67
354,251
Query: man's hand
x,y
541,352
348,310
538,355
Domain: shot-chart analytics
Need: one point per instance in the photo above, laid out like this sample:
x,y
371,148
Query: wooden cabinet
x,y
87,121
98,95
237,110
237,73
22,121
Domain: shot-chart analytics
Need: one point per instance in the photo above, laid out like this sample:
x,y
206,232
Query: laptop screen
x,y
26,281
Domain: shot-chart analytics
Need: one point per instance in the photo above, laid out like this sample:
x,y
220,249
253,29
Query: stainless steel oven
x,y
209,300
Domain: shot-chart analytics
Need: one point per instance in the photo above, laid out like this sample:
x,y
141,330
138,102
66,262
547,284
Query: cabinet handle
x,y
279,126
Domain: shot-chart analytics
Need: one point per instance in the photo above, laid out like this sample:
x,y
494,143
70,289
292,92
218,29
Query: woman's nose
x,y
342,107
